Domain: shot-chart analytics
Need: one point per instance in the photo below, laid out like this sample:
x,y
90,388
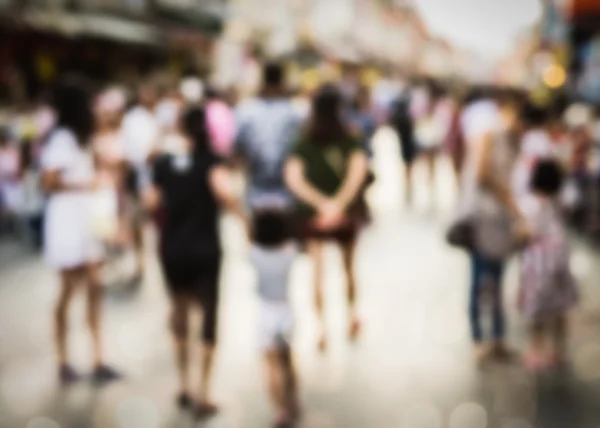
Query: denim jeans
x,y
486,277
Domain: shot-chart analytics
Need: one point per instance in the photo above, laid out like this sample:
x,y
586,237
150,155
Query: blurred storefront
x,y
584,37
105,39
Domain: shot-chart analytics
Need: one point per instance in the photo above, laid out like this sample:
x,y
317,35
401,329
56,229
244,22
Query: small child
x,y
273,253
548,289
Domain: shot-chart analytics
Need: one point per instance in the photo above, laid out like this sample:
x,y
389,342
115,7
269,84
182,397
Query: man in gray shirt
x,y
267,128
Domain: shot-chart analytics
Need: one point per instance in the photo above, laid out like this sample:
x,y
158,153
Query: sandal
x,y
67,375
184,401
354,330
205,409
534,363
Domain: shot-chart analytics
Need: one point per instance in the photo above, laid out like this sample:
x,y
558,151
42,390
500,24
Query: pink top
x,y
221,126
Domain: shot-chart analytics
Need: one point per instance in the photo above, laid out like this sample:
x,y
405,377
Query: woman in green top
x,y
326,171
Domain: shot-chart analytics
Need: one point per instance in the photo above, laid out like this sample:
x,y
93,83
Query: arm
x,y
151,198
52,182
221,184
354,180
297,183
485,177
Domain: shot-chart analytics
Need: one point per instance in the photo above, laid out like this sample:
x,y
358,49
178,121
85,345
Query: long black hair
x,y
72,104
326,125
195,127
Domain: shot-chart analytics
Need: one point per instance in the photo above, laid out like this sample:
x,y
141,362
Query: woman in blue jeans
x,y
494,148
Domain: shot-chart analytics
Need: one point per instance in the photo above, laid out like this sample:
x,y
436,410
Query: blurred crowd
x,y
85,172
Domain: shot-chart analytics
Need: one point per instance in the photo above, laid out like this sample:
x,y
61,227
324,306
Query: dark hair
x,y
361,97
4,136
194,125
326,125
72,104
273,75
534,115
547,178
26,154
211,93
477,93
270,228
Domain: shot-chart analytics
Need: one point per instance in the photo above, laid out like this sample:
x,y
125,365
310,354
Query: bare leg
x,y
69,286
559,340
408,173
534,357
205,405
138,245
431,159
348,251
275,381
290,381
103,374
94,311
315,249
180,327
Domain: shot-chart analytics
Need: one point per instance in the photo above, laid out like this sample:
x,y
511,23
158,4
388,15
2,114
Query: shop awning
x,y
194,19
92,25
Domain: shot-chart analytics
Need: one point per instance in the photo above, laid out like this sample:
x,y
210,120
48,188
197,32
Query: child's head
x,y
547,178
270,228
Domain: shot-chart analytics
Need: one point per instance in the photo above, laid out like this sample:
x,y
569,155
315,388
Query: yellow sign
x,y
310,80
45,68
369,77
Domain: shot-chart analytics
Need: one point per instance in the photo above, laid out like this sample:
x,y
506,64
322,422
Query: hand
x,y
523,232
101,181
329,215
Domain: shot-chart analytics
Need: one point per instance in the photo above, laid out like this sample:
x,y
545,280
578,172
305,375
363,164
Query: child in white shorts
x,y
273,254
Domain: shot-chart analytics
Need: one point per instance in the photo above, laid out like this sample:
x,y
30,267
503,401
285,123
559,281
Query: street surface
x,y
412,368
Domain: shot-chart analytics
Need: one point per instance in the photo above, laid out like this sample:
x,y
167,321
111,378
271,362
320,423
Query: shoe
x,y
205,409
534,363
184,401
482,353
105,374
322,345
501,353
67,375
354,330
284,420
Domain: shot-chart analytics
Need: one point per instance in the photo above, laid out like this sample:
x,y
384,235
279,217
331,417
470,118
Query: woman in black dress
x,y
190,186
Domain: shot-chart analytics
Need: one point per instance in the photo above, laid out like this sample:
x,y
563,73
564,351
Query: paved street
x,y
412,368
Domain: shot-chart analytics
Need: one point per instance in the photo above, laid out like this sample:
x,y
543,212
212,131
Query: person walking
x,y
190,185
267,128
140,133
402,123
488,198
273,254
548,288
326,171
70,246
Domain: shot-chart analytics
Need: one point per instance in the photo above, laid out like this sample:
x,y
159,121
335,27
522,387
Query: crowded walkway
x,y
412,366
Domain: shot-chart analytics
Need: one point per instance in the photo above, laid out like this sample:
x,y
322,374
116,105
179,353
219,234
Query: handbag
x,y
103,220
461,234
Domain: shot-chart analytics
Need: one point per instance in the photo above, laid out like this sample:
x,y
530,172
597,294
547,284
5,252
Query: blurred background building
x,y
224,38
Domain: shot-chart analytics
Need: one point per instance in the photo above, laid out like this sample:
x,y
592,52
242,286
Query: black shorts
x,y
197,280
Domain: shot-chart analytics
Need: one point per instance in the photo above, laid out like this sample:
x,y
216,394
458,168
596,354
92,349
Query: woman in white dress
x,y
70,246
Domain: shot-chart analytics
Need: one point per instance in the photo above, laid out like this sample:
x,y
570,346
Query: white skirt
x,y
69,241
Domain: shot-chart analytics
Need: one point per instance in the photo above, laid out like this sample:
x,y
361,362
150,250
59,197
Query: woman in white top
x,y
69,178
